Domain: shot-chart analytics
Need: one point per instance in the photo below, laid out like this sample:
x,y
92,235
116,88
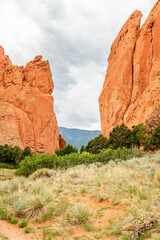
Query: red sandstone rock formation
x,y
132,88
26,105
62,142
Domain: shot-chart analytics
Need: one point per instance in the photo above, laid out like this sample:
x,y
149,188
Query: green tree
x,y
139,134
97,144
13,155
82,149
155,140
121,136
66,150
26,152
9,154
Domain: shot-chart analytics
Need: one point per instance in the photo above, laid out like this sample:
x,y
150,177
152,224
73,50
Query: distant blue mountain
x,y
78,137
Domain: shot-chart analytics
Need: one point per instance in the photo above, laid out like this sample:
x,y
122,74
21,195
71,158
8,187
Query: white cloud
x,y
75,36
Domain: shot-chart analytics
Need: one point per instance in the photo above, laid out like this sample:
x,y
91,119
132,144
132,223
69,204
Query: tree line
x,y
143,135
10,157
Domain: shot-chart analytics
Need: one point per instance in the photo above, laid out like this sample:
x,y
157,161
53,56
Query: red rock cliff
x,y
26,105
132,84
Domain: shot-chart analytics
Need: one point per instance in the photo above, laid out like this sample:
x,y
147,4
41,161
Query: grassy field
x,y
6,174
94,202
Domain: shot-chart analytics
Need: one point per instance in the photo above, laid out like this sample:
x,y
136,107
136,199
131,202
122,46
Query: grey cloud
x,y
63,81
76,37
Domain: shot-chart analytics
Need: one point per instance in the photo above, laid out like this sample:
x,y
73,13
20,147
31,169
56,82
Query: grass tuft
x,y
115,228
78,215
49,233
30,230
23,224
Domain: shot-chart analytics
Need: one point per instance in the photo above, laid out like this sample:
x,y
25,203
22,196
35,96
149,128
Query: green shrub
x,y
96,145
82,149
109,154
9,154
31,164
30,230
12,155
8,165
49,234
23,224
98,236
156,138
139,134
66,150
12,220
3,214
121,136
52,161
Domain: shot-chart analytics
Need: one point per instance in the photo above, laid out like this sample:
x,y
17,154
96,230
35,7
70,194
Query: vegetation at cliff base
x,y
96,145
10,157
123,144
121,136
66,150
52,161
142,135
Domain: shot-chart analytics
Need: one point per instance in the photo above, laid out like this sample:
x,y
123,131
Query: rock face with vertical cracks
x,y
26,105
131,88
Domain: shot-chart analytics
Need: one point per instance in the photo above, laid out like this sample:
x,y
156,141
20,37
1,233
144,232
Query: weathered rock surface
x,y
62,142
26,105
132,86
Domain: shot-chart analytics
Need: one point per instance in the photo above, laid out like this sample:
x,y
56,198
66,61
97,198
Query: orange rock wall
x,y
26,105
132,88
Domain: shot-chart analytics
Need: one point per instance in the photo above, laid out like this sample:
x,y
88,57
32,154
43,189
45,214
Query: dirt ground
x,y
13,232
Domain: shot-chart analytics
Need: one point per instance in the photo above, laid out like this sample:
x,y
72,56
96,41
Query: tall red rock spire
x,y
26,105
132,87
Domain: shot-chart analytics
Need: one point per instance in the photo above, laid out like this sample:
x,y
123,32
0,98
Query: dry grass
x,y
6,174
117,196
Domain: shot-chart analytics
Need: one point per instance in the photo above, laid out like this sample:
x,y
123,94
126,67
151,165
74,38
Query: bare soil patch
x,y
105,210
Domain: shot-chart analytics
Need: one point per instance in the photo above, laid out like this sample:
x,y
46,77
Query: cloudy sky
x,y
75,36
